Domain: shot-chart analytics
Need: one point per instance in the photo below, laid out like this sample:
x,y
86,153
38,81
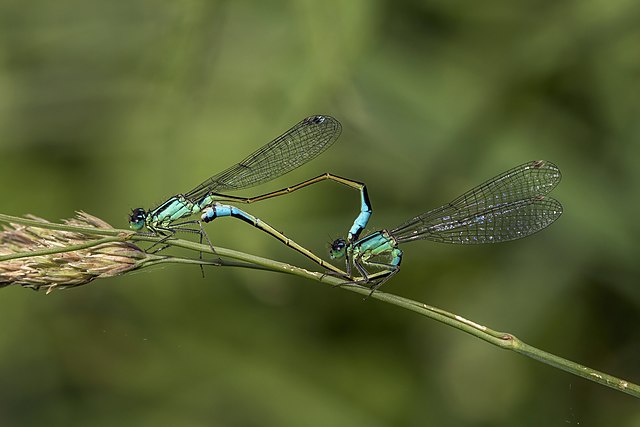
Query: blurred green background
x,y
107,106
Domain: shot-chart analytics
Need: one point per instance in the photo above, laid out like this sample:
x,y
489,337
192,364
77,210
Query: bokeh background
x,y
107,106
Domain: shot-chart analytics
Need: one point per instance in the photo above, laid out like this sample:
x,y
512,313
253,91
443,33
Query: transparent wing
x,y
507,207
295,147
511,221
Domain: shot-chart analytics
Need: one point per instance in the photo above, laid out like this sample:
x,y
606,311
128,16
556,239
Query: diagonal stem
x,y
500,339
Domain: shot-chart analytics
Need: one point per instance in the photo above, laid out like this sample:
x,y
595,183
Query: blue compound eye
x,y
337,248
136,219
338,245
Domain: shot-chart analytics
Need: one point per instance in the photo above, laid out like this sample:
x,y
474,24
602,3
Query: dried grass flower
x,y
52,265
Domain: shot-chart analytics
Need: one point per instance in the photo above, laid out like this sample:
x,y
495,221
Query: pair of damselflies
x,y
507,207
300,144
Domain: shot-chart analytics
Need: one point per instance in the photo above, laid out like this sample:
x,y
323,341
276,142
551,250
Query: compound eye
x,y
137,215
338,244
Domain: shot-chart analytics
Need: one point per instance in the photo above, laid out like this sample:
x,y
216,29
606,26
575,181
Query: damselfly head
x,y
136,219
337,248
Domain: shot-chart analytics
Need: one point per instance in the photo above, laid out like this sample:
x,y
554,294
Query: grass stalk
x,y
81,237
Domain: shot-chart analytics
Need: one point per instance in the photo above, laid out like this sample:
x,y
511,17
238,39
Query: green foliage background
x,y
106,106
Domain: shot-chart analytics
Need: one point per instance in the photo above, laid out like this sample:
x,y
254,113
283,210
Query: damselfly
x,y
507,207
292,149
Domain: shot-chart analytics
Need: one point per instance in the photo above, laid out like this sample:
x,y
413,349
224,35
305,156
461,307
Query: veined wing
x,y
501,223
522,186
295,147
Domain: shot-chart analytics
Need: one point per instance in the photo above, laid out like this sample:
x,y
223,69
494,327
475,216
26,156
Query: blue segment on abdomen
x,y
219,210
362,219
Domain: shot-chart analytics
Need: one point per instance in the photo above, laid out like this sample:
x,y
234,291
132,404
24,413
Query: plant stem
x,y
155,260
500,339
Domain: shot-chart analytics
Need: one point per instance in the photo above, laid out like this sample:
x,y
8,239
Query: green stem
x,y
155,260
499,339
510,342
